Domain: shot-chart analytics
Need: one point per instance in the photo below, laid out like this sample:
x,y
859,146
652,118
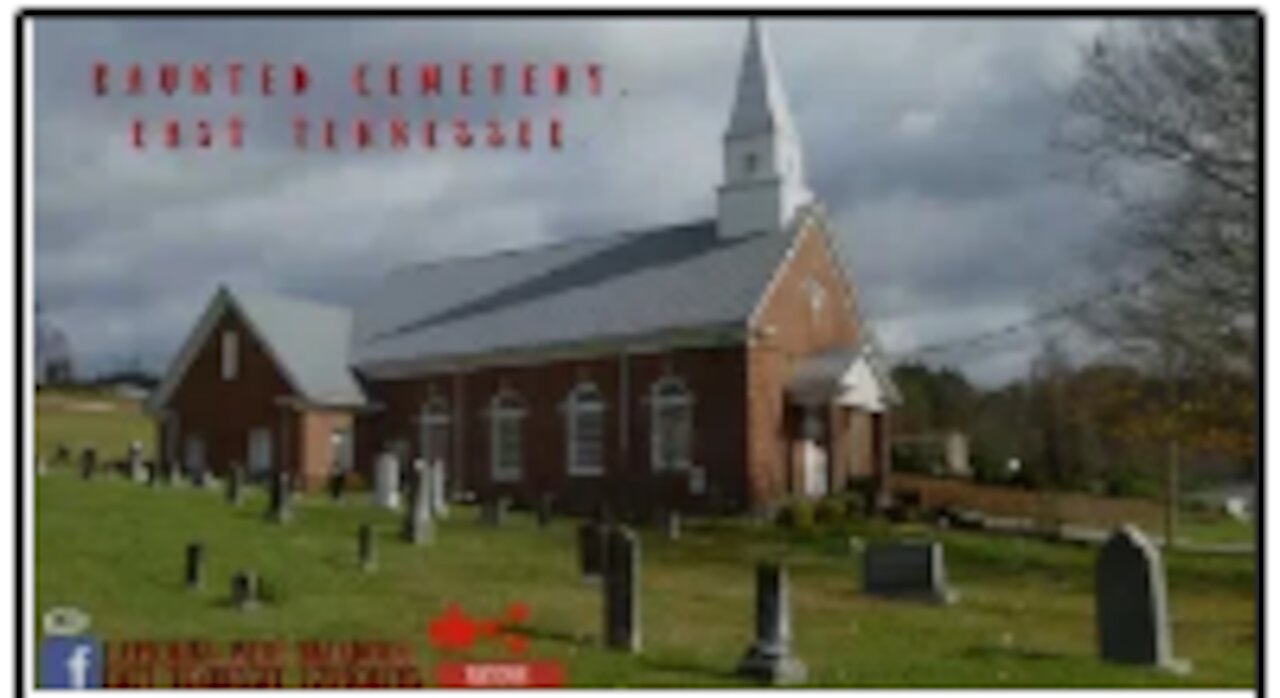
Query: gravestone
x,y
671,525
278,502
364,548
493,510
88,463
386,481
906,569
235,483
1132,607
337,485
244,589
153,472
136,470
194,571
62,454
417,528
622,590
769,658
439,491
591,550
200,477
173,474
545,509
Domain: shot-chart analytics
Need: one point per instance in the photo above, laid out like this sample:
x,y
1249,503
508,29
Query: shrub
x,y
797,515
829,511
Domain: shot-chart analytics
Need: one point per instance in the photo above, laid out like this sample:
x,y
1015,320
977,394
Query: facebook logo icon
x,y
71,662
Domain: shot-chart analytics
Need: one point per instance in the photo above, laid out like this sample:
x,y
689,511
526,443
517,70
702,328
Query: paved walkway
x,y
1075,533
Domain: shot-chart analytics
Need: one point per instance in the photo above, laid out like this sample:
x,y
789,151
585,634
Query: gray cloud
x,y
927,139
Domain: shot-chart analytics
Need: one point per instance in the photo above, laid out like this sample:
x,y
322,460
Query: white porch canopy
x,y
845,377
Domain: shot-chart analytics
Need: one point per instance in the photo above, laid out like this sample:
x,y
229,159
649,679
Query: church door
x,y
814,455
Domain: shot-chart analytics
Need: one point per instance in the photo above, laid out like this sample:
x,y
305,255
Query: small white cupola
x,y
763,170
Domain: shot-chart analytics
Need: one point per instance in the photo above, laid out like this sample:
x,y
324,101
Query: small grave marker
x,y
910,570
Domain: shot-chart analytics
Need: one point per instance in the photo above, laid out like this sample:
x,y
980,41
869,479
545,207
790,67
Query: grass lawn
x,y
1025,617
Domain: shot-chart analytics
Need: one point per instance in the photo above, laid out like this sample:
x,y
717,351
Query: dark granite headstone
x,y
278,503
364,548
1131,598
62,454
622,591
769,658
153,472
194,571
88,463
337,485
244,589
910,570
546,507
591,550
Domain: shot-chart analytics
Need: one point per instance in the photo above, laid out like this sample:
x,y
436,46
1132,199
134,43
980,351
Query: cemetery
x,y
672,601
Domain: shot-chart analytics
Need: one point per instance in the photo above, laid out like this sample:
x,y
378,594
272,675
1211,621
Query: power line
x,y
1056,313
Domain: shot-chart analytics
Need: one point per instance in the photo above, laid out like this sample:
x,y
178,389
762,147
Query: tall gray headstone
x,y
418,527
439,490
173,473
493,510
136,470
235,483
591,550
1131,603
386,481
278,502
769,657
546,507
622,591
671,524
913,570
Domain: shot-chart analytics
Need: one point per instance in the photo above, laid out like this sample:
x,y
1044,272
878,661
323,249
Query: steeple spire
x,y
760,105
763,169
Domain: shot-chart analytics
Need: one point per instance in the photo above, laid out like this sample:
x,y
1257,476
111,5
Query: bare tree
x,y
1165,117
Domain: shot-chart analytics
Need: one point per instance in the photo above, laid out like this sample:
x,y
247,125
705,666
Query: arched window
x,y
433,430
584,417
671,425
506,447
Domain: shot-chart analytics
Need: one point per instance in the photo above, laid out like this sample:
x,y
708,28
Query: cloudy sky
x,y
927,139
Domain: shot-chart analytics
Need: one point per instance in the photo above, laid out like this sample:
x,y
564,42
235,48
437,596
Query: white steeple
x,y
763,167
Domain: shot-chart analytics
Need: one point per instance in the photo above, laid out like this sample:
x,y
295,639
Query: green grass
x,y
1025,617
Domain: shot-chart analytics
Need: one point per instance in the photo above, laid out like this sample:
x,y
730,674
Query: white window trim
x,y
230,355
657,401
434,413
500,414
574,406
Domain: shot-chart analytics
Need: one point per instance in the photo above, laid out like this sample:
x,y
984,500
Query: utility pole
x,y
1172,456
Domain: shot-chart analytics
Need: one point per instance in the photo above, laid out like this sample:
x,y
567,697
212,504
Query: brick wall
x,y
716,376
786,330
222,413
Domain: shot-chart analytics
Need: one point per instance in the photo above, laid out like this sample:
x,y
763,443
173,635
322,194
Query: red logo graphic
x,y
454,632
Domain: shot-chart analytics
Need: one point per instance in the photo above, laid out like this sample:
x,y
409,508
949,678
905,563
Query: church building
x,y
715,365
